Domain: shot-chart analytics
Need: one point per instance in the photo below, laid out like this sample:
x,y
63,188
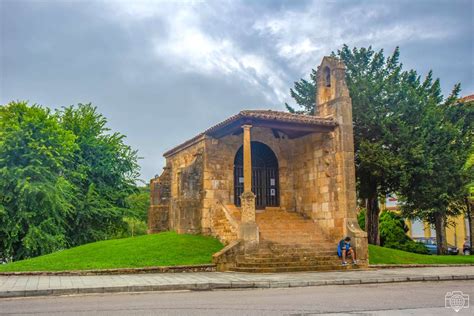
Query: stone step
x,y
287,256
293,252
287,264
293,269
257,259
300,247
302,241
310,242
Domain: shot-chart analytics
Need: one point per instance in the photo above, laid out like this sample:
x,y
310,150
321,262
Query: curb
x,y
161,269
228,285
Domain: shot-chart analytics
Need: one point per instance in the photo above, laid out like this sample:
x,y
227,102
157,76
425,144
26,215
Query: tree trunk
x,y
440,227
470,222
372,220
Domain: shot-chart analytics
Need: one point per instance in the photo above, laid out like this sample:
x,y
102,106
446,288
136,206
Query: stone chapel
x,y
278,189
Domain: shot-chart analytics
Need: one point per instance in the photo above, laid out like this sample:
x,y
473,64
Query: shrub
x,y
393,232
392,228
132,227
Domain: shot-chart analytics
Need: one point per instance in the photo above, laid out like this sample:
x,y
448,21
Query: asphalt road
x,y
413,298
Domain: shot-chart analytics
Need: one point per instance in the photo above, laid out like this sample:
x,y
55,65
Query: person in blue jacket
x,y
345,250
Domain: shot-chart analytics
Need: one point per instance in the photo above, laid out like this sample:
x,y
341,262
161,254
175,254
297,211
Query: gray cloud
x,y
163,71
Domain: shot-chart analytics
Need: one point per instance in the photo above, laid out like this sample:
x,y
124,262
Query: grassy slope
x,y
168,249
165,249
381,255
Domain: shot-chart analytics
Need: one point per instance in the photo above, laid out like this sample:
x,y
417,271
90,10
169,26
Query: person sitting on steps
x,y
345,250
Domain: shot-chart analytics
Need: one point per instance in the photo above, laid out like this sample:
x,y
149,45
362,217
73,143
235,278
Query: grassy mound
x,y
381,255
165,249
170,249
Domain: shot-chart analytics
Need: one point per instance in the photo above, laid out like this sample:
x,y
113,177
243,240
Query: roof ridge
x,y
285,113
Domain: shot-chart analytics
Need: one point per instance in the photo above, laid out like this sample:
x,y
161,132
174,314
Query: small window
x,y
417,229
327,76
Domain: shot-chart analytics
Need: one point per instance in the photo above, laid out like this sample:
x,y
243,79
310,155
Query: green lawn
x,y
381,255
165,249
170,249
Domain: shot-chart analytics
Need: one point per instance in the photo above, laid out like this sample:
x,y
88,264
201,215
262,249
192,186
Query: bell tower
x,y
331,86
333,101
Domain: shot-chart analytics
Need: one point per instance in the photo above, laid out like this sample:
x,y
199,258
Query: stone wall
x,y
158,214
187,204
186,188
316,182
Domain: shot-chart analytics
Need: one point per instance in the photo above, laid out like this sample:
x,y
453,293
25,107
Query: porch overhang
x,y
291,125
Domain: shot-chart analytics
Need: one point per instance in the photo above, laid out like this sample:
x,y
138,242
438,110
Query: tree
x,y
467,104
36,196
104,170
375,88
304,94
65,179
138,203
469,169
434,185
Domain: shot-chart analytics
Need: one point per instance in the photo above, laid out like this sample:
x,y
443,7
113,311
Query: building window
x,y
417,229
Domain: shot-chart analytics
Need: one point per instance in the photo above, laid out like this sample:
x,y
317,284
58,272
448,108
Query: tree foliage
x,y
139,202
64,178
103,170
407,138
435,186
36,197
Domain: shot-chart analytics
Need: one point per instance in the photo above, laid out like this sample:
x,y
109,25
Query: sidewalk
x,y
17,286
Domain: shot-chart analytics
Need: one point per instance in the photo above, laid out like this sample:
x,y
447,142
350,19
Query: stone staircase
x,y
289,242
225,223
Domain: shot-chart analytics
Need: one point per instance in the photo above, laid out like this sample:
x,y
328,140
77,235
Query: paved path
x,y
14,286
415,298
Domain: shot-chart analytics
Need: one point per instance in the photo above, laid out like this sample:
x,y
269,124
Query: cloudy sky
x,y
163,71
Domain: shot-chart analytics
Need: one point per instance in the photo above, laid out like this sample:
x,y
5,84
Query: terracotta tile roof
x,y
468,98
184,145
261,115
277,116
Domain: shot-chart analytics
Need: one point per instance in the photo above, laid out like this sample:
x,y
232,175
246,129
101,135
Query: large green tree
x,y
434,186
36,196
104,170
375,84
65,179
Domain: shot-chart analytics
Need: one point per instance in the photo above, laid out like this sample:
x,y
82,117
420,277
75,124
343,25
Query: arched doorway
x,y
265,182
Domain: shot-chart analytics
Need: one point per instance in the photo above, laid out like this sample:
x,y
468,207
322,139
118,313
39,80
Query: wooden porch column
x,y
248,228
